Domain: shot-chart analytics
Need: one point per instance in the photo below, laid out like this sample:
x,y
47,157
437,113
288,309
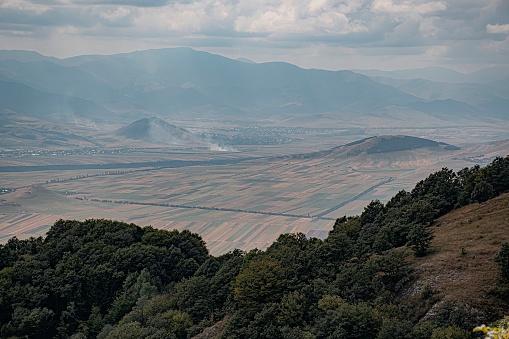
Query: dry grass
x,y
462,266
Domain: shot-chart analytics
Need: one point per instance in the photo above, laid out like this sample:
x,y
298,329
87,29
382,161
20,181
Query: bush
x,y
502,259
419,239
450,332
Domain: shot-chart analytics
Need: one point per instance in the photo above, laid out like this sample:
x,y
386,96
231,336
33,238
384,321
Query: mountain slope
x,y
453,99
19,131
442,74
49,106
51,77
257,88
461,265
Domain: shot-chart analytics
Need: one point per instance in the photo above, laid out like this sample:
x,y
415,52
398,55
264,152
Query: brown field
x,y
242,205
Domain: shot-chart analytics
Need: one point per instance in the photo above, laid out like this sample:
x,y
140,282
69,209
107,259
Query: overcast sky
x,y
329,34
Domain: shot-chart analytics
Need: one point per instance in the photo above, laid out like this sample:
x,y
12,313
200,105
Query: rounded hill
x,y
380,144
156,130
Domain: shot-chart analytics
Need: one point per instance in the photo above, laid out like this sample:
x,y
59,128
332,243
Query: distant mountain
x,y
442,74
24,56
379,144
246,60
48,76
489,74
158,131
502,85
19,131
448,109
183,83
49,106
439,74
454,100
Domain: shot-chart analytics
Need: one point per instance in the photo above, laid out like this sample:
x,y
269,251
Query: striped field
x,y
243,205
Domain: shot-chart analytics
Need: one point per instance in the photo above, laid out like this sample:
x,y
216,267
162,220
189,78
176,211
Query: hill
x,y
158,131
20,131
378,144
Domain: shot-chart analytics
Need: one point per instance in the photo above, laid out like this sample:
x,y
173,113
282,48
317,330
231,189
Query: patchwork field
x,y
240,205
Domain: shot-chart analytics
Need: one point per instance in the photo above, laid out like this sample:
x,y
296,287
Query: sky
x,y
465,35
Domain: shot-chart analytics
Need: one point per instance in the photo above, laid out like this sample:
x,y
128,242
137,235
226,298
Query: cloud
x,y
118,13
134,3
432,30
497,29
319,17
389,6
28,6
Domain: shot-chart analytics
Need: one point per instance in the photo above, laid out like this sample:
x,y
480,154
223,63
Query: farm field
x,y
242,205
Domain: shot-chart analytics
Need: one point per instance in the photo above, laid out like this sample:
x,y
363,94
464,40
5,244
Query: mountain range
x,y
183,83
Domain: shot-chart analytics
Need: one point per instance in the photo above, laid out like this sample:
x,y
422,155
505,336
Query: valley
x,y
236,152
243,198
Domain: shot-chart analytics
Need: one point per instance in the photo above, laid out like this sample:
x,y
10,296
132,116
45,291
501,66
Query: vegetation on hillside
x,y
108,279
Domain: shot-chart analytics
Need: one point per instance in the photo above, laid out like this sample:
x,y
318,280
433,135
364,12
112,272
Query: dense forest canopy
x,y
108,279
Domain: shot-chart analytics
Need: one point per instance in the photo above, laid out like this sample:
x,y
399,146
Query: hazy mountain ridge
x,y
442,74
49,106
492,98
180,82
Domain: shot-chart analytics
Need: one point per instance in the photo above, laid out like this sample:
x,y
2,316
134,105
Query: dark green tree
x,y
263,281
419,239
482,191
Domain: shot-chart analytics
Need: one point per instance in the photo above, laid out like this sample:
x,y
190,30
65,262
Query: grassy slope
x,y
461,265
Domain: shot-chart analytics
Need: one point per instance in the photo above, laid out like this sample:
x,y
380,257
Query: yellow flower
x,y
481,328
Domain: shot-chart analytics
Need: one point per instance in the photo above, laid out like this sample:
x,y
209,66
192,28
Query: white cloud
x,y
291,17
497,29
388,6
118,13
25,6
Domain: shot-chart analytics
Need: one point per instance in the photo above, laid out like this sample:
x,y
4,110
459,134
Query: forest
x,y
107,279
